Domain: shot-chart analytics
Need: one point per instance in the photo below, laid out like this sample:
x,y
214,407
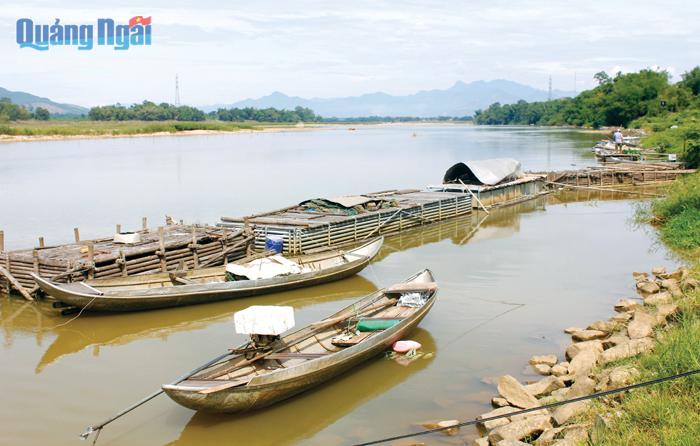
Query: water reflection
x,y
292,420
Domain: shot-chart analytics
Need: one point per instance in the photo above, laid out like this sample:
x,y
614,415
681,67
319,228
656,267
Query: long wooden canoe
x,y
309,356
197,286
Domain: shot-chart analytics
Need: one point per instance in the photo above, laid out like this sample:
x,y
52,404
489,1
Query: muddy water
x,y
509,283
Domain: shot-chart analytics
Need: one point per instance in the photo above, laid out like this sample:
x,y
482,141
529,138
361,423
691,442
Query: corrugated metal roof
x,y
488,172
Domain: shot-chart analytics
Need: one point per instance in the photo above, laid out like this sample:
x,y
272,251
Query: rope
x,y
533,409
76,316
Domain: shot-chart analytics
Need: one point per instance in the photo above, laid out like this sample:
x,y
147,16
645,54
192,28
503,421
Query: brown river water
x,y
509,282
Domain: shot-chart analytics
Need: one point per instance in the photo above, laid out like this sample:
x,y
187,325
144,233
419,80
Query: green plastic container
x,y
376,324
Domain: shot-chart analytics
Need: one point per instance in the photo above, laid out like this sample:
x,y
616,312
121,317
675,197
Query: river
x,y
509,282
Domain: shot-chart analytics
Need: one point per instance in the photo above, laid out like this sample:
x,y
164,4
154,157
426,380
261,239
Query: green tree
x,y
41,114
691,80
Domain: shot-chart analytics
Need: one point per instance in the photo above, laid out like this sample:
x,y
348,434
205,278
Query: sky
x,y
223,52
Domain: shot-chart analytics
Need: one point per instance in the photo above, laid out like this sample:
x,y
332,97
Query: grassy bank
x,y
669,413
116,128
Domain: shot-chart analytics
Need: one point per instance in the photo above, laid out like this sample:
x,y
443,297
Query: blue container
x,y
274,243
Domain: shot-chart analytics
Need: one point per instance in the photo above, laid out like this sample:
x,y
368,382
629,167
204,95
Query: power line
x,y
533,409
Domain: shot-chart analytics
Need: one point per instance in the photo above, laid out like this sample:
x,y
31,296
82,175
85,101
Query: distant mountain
x,y
459,100
31,102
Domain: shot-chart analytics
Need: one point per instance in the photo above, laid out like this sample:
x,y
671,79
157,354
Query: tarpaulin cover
x,y
489,172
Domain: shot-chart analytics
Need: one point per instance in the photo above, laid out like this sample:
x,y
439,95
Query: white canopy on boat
x,y
265,268
264,320
489,172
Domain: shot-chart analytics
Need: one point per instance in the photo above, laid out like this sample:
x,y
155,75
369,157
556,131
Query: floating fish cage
x,y
318,224
165,249
510,192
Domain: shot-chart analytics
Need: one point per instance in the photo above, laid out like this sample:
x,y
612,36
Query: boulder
x,y
571,432
542,369
664,311
614,340
492,424
641,326
577,347
499,402
582,387
626,350
660,298
584,362
621,318
616,378
572,330
604,326
516,394
442,424
517,430
564,413
639,277
483,441
679,274
624,305
560,369
544,386
549,360
535,413
691,283
670,283
647,287
588,335
512,443
658,271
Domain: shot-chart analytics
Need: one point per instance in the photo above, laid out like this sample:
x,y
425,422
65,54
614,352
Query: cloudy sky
x,y
322,48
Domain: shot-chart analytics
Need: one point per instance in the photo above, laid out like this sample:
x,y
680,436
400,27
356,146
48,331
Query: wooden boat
x,y
206,285
256,377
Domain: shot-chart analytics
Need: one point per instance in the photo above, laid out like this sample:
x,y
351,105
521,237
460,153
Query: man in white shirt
x,y
617,137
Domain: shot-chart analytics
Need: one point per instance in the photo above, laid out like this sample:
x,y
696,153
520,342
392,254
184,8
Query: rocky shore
x,y
590,364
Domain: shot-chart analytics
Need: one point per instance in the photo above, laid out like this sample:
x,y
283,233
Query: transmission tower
x,y
549,94
177,91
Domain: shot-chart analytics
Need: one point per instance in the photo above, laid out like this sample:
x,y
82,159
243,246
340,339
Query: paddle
x,y
98,427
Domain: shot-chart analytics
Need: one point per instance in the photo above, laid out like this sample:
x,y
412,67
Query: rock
x,y
627,349
624,305
617,377
570,432
648,287
542,369
439,424
499,402
576,348
564,413
670,283
660,298
511,443
588,335
664,311
560,369
492,424
691,283
517,430
614,340
483,441
549,360
582,387
677,293
621,317
641,326
604,326
567,379
544,386
679,274
658,271
572,330
584,362
535,413
639,277
510,389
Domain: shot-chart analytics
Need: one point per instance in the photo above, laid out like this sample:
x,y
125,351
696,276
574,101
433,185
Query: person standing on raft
x,y
617,138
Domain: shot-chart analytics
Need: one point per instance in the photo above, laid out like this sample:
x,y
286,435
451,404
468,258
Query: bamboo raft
x,y
305,230
619,174
171,247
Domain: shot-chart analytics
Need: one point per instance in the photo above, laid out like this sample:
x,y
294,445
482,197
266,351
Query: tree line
x,y
10,111
616,101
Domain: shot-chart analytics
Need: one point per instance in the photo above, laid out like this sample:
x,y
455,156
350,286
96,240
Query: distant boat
x,y
266,275
259,376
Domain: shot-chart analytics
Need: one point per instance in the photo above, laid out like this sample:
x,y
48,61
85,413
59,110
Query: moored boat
x,y
260,374
255,277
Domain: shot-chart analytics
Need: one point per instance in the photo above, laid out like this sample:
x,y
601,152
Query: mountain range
x,y
31,102
462,99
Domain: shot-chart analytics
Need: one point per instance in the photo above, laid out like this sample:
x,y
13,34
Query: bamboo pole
x,y
76,234
16,284
604,189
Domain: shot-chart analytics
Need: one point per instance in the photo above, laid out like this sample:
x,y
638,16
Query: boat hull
x,y
252,397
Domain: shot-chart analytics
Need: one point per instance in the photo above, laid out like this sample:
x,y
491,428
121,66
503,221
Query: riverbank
x,y
652,336
25,131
